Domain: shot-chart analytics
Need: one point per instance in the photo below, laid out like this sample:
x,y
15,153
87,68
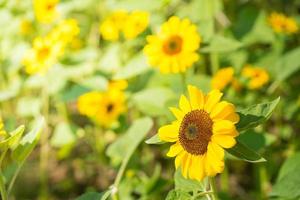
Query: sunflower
x,y
65,32
222,78
42,55
173,50
103,107
282,24
257,76
204,126
135,24
113,24
45,10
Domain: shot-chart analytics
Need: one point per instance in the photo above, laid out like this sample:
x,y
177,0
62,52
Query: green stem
x,y
213,188
4,195
44,152
183,80
214,61
11,184
119,176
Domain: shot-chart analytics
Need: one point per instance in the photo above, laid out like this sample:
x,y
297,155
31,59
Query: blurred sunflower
x,y
256,76
117,84
25,27
173,50
104,107
135,24
282,24
42,55
204,126
111,26
45,10
222,78
65,32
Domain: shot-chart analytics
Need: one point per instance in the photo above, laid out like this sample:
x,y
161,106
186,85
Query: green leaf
x,y
28,142
95,83
289,62
154,140
144,100
90,196
287,184
127,143
256,114
178,194
137,65
13,140
243,152
187,185
29,106
63,135
221,44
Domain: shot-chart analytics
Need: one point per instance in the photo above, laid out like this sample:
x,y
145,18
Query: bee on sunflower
x,y
204,126
173,49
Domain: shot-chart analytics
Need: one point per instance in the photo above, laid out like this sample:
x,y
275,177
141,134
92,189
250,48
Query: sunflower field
x,y
149,99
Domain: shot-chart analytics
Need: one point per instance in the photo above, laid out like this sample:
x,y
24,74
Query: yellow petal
x,y
218,151
174,150
197,168
184,104
177,113
212,99
224,127
196,97
169,133
214,164
186,162
178,159
234,117
225,141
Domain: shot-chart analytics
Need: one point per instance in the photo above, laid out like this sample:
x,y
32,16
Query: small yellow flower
x,y
118,85
65,32
204,126
257,76
45,10
222,78
135,24
282,24
173,49
25,27
111,26
104,107
42,56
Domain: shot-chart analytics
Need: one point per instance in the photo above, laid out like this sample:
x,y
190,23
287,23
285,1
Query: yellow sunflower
x,y
173,50
65,32
45,10
104,107
282,24
113,24
42,55
222,78
135,24
256,76
204,126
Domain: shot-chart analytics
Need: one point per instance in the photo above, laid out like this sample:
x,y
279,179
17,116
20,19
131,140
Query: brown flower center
x,y
173,45
109,108
43,53
195,132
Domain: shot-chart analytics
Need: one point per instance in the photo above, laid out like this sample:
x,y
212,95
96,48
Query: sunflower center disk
x,y
195,132
173,45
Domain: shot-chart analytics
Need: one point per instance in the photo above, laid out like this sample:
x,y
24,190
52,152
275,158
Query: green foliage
x,y
256,114
127,143
287,184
